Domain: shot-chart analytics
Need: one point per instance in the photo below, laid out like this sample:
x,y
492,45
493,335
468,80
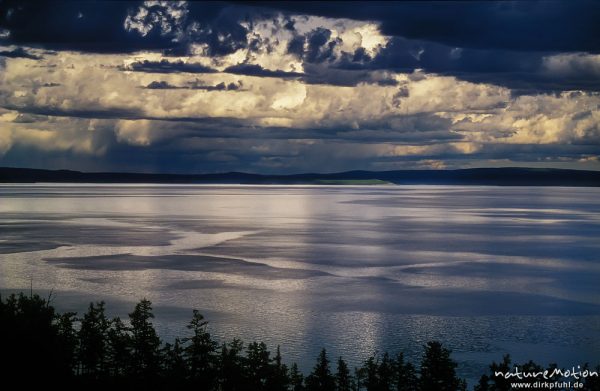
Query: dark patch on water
x,y
204,263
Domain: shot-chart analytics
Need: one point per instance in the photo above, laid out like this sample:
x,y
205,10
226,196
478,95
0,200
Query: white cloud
x,y
541,119
470,116
168,17
134,132
352,33
270,39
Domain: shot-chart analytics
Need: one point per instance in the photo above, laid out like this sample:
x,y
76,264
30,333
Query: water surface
x,y
355,269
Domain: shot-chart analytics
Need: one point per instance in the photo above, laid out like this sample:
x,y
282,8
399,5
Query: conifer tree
x,y
30,340
200,353
385,373
343,380
174,365
296,378
406,376
438,370
258,363
68,342
119,349
278,379
144,341
369,374
321,378
93,341
483,384
233,372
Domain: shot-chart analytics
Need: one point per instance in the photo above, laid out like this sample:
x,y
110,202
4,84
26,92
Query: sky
x,y
290,87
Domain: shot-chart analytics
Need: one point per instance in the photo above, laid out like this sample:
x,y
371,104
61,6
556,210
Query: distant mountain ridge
x,y
506,176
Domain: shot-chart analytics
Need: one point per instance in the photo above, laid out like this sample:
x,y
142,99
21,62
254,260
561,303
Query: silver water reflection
x,y
487,270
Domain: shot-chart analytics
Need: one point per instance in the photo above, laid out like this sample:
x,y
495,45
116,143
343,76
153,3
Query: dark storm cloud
x,y
100,26
522,71
532,83
19,53
127,114
320,48
296,45
500,155
223,34
317,46
165,66
535,48
195,85
506,25
107,113
496,42
502,43
407,54
91,26
166,158
323,74
161,85
218,87
418,129
58,25
257,70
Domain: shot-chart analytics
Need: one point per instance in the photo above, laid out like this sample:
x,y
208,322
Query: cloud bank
x,y
205,87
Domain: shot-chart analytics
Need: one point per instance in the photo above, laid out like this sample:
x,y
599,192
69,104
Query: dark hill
x,y
475,176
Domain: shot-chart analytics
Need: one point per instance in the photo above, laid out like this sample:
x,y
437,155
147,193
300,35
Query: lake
x,y
355,269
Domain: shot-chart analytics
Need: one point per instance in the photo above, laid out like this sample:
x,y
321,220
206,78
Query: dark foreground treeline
x,y
39,345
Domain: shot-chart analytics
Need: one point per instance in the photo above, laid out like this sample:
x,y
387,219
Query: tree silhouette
x,y
368,374
296,379
378,375
145,343
406,376
200,353
483,384
68,341
93,338
258,365
233,374
119,349
385,373
438,370
320,378
31,340
343,380
37,342
174,365
278,379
